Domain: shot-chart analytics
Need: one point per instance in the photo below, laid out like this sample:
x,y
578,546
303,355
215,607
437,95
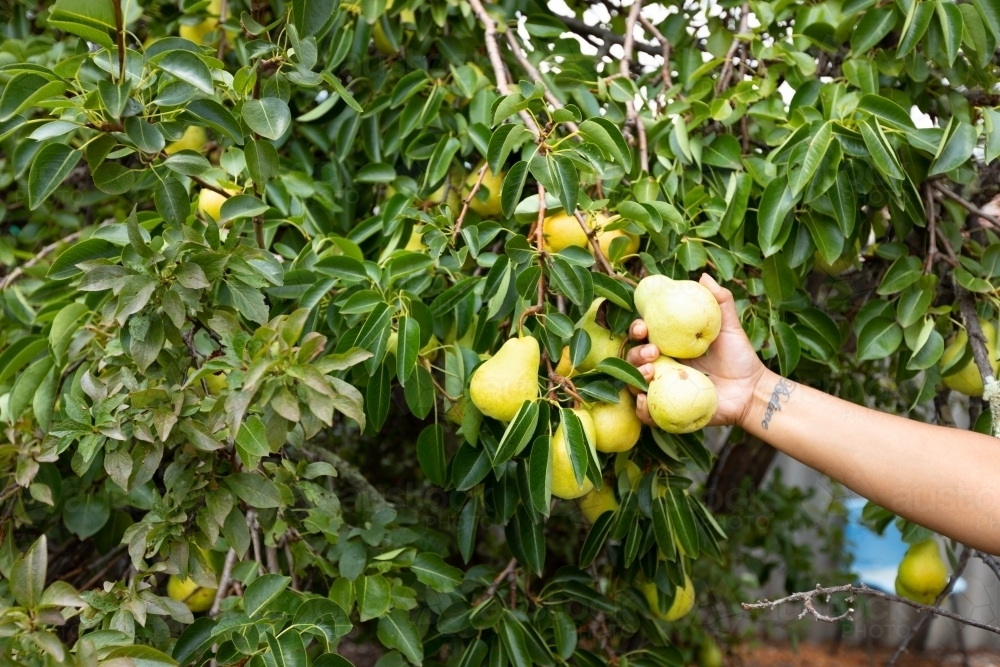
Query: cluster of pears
x,y
682,319
922,573
563,230
968,381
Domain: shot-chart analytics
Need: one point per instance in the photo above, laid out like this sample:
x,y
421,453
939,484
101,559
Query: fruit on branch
x,y
709,655
680,399
615,424
922,573
682,316
606,236
197,598
507,379
561,231
597,502
198,31
683,600
216,383
415,243
210,203
565,365
969,381
603,343
193,139
563,479
487,200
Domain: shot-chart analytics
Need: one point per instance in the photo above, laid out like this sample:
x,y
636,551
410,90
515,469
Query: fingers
x,y
642,354
638,330
730,320
642,410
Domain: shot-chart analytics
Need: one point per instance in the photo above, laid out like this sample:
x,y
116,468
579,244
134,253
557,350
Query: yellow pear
x,y
605,237
197,598
680,399
922,573
216,383
194,139
968,380
507,379
603,343
565,365
561,231
197,32
680,607
597,502
616,425
415,243
488,204
682,316
563,480
210,203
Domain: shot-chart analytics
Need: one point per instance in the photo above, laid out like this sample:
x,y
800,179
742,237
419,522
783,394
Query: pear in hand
x,y
968,381
682,316
603,343
563,480
615,424
922,573
507,379
680,398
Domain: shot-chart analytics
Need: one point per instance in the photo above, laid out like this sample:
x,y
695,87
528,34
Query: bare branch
x,y
977,339
727,68
967,205
991,561
535,75
468,200
625,70
668,81
592,237
225,579
608,37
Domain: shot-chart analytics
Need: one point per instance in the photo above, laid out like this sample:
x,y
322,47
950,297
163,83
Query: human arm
x,y
943,478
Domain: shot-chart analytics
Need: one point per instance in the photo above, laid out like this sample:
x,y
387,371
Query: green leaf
x,y
624,371
50,167
172,201
431,455
682,521
269,117
565,175
217,117
502,142
255,490
608,138
777,202
882,154
89,250
262,161
25,90
431,570
91,20
513,184
818,147
576,442
596,537
879,338
901,274
287,649
873,26
187,67
374,594
140,656
86,513
397,631
915,27
113,178
376,172
789,350
952,26
241,206
27,574
955,150
251,442
262,591
144,135
518,433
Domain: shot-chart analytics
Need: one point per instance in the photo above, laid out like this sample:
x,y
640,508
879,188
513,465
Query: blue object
x,y
876,557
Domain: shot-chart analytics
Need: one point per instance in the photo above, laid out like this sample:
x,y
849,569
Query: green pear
x,y
616,424
507,379
680,607
968,381
682,316
597,502
563,480
922,573
710,654
603,343
680,399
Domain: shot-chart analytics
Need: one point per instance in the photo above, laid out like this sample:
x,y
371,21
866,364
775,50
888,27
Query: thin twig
x,y
120,35
977,339
595,244
966,204
991,561
468,200
667,77
16,273
607,36
535,75
540,246
963,560
491,591
931,229
208,186
727,68
624,69
223,12
224,580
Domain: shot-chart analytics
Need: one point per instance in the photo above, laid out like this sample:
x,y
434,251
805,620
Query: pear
x,y
210,203
197,32
605,237
616,424
197,598
603,343
682,316
680,399
194,139
565,365
561,231
563,480
680,607
487,200
597,502
507,379
415,242
968,381
710,655
922,573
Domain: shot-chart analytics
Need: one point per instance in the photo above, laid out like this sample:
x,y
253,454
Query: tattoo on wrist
x,y
782,389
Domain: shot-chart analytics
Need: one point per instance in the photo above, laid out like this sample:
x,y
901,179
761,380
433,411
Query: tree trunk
x,y
749,458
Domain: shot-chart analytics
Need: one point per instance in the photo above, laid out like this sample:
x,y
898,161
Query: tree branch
x,y
594,244
351,475
727,68
977,339
967,205
668,81
608,37
468,200
120,35
535,75
224,580
625,70
491,591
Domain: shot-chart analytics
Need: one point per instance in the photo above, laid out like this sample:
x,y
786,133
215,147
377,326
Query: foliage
x,y
250,237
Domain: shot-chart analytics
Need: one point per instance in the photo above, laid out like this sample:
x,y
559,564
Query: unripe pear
x,y
968,381
563,480
922,573
680,399
507,379
561,231
682,316
680,607
603,343
197,598
597,502
488,207
710,655
616,424
193,139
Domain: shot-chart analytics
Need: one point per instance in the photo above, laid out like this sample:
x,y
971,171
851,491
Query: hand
x,y
730,362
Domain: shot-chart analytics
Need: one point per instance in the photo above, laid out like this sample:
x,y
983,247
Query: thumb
x,y
730,320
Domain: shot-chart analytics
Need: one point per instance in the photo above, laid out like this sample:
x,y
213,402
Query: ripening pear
x,y
561,231
563,480
597,502
616,425
193,139
488,204
565,365
922,573
507,379
210,203
680,607
415,243
606,236
680,399
603,343
682,316
197,32
968,381
197,598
